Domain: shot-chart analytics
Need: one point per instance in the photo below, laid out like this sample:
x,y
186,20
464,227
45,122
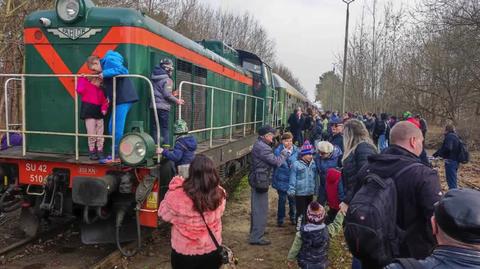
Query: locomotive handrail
x,y
23,131
7,123
231,125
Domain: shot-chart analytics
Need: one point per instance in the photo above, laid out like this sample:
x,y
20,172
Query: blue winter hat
x,y
307,149
336,121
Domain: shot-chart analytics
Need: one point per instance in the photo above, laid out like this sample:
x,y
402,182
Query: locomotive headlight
x,y
136,148
69,10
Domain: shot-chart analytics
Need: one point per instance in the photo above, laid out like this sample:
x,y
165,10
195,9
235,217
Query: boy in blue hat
x,y
303,182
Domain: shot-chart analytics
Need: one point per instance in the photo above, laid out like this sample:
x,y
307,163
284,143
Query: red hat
x,y
415,121
315,213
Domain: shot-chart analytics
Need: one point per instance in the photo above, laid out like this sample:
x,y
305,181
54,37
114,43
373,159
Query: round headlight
x,y
68,10
136,148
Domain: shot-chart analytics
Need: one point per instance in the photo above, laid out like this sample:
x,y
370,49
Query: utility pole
x,y
348,2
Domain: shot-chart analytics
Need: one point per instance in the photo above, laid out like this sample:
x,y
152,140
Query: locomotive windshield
x,y
252,67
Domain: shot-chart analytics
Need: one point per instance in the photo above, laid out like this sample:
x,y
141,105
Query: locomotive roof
x,y
107,17
281,83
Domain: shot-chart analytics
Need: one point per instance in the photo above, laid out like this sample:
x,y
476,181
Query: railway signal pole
x,y
348,2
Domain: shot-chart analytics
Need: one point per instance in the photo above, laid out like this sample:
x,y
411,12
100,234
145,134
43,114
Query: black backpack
x,y
463,154
409,263
371,232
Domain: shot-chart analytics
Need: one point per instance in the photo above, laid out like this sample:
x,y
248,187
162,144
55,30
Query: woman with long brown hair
x,y
190,205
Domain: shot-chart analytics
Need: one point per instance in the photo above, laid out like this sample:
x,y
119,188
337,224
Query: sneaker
x,y
262,242
101,157
92,155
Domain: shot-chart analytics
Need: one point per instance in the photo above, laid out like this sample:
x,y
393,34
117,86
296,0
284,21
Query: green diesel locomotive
x,y
228,95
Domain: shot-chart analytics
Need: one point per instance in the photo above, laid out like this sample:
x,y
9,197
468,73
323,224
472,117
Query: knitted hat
x,y
180,127
325,147
315,213
407,114
306,149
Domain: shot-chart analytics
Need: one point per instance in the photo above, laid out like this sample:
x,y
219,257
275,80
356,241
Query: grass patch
x,y
338,254
241,187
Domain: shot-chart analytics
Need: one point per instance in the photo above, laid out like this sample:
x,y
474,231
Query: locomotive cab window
x,y
267,74
252,67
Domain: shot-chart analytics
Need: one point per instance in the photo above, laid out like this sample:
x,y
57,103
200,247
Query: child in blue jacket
x,y
111,65
303,182
281,177
183,151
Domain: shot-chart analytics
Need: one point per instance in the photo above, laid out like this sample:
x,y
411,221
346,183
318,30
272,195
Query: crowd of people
x,y
370,177
366,176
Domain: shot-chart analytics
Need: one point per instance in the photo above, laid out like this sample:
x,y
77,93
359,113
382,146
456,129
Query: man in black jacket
x,y
296,121
418,188
449,151
456,225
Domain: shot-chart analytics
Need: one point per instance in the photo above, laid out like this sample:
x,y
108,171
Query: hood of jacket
x,y
112,56
159,73
188,141
337,152
387,163
309,227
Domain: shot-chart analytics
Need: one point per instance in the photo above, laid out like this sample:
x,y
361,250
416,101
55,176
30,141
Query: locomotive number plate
x,y
36,172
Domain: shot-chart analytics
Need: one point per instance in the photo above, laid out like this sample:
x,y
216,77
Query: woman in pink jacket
x,y
184,202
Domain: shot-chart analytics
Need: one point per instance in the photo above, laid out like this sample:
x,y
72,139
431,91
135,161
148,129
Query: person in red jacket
x,y
335,193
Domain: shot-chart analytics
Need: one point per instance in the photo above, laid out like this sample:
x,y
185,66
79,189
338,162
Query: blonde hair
x,y
354,133
92,59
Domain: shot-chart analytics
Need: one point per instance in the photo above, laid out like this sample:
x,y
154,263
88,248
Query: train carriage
x,y
288,99
228,95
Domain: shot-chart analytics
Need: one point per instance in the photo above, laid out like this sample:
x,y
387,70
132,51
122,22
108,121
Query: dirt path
x,y
236,226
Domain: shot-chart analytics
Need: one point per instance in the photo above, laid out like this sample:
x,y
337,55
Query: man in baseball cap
x,y
456,225
259,178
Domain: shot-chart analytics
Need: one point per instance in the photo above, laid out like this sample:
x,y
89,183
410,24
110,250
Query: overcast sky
x,y
309,34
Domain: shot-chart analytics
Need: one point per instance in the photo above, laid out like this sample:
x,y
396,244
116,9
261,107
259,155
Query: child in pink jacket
x,y
93,110
192,246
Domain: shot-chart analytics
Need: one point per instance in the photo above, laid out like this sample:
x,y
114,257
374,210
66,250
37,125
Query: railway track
x,y
60,246
114,259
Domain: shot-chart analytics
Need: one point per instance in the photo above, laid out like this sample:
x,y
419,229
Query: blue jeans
x,y
163,117
451,168
382,142
282,199
120,118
